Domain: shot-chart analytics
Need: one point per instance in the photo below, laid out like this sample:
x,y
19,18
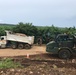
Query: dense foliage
x,y
47,33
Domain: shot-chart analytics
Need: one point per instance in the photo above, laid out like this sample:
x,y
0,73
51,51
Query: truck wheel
x,y
27,46
20,46
64,54
13,46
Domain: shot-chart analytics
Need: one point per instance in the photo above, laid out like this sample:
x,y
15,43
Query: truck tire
x,y
13,46
27,46
20,46
64,54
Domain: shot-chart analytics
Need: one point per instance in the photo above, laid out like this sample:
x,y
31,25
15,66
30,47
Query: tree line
x,y
46,33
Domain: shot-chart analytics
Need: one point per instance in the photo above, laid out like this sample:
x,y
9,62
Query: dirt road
x,y
18,52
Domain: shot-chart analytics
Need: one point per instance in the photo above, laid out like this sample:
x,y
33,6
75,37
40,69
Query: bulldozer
x,y
63,45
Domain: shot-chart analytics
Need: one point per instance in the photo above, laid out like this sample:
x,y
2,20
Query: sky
x,y
60,13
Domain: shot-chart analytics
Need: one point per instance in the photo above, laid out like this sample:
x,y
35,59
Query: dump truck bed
x,y
20,38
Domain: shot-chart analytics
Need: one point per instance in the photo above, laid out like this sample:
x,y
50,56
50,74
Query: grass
x,y
8,63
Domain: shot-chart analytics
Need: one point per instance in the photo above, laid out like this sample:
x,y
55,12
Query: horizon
x,y
36,25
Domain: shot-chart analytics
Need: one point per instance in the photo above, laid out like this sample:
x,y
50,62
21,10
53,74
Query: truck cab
x,y
3,41
63,45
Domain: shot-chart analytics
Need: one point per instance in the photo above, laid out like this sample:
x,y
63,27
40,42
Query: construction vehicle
x,y
16,40
64,46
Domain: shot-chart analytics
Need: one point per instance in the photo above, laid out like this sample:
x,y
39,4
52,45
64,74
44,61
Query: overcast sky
x,y
60,13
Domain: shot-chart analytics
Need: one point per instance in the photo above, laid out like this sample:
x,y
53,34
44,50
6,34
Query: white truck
x,y
16,40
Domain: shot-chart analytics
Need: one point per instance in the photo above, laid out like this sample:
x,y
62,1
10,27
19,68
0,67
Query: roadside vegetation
x,y
7,63
47,33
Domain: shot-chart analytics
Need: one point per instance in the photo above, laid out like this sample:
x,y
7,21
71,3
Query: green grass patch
x,y
9,63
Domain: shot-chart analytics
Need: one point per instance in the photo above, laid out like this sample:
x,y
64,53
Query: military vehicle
x,y
64,46
16,40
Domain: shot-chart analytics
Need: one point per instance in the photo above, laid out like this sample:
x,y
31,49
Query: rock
x,y
73,60
54,66
31,72
19,70
1,72
38,72
12,70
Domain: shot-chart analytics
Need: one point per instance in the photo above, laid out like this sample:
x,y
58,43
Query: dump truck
x,y
64,46
16,40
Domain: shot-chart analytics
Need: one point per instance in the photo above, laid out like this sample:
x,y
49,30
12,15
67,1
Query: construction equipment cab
x,y
63,45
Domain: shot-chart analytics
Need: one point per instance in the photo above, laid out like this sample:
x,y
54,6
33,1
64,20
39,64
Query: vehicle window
x,y
2,38
62,38
65,38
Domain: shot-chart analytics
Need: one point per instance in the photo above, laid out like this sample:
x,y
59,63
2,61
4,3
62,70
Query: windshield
x,y
64,38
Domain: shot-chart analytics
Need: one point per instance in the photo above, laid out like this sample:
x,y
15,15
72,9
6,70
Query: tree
x,y
26,28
